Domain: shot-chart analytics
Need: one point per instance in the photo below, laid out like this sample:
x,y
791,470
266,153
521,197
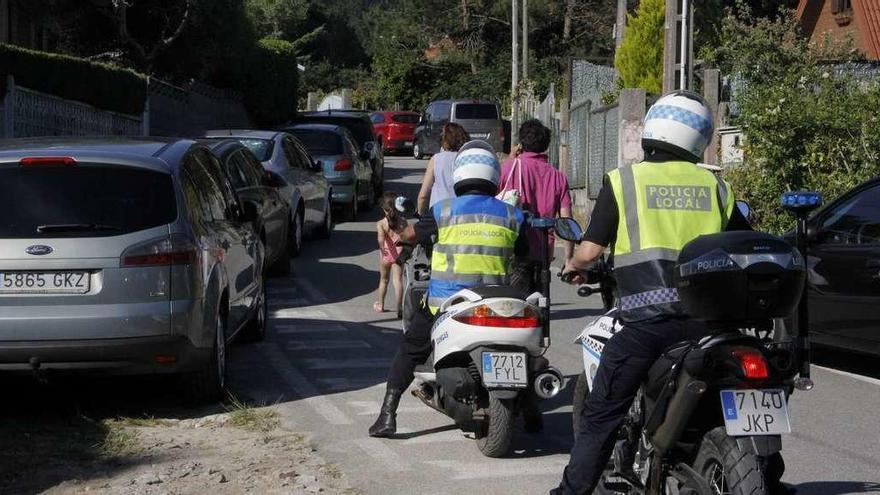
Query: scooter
x,y
709,418
488,362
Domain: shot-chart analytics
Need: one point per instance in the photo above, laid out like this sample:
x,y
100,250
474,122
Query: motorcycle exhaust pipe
x,y
548,383
682,405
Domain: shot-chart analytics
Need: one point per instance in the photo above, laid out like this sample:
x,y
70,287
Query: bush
x,y
808,124
639,61
271,87
99,85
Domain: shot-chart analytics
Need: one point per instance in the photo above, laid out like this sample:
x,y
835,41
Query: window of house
x,y
841,6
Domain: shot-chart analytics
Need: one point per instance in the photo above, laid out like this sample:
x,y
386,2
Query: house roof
x,y
866,15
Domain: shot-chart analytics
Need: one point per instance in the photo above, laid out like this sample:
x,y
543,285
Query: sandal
x,y
377,307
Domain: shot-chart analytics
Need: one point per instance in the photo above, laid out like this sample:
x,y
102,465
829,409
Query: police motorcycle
x,y
709,418
488,361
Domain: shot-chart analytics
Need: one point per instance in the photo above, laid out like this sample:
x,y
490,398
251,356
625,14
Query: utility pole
x,y
678,64
683,27
620,25
514,75
525,40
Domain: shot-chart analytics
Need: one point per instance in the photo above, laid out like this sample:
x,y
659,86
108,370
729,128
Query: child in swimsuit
x,y
388,230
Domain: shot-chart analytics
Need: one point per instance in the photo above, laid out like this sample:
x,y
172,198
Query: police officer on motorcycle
x,y
646,212
474,237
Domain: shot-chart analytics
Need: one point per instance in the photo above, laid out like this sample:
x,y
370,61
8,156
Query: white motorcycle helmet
x,y
476,167
679,123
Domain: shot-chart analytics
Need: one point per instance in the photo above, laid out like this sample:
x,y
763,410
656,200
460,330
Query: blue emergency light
x,y
801,200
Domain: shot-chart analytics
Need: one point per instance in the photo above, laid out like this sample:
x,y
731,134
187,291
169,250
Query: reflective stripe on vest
x,y
662,207
475,240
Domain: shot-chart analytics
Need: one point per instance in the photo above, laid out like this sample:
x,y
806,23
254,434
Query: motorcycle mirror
x,y
404,205
568,229
745,210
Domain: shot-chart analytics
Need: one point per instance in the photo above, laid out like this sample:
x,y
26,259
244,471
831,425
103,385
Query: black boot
x,y
386,424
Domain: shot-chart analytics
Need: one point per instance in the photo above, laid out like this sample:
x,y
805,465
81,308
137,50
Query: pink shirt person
x,y
544,193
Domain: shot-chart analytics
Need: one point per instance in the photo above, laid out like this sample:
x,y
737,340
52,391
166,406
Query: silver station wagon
x,y
125,256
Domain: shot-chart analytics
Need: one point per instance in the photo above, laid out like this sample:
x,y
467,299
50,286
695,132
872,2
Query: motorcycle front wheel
x,y
728,469
497,428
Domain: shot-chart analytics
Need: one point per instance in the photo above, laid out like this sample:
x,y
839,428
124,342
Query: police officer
x,y
474,238
647,212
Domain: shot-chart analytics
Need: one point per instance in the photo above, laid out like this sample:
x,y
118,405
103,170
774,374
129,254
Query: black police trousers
x,y
414,349
625,362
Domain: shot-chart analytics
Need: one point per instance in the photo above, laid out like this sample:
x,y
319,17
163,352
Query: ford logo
x,y
38,250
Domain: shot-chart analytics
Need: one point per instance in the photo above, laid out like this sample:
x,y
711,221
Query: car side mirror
x,y
317,166
745,210
364,155
568,229
274,180
405,205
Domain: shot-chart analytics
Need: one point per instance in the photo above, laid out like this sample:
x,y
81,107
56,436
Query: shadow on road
x,y
836,487
851,362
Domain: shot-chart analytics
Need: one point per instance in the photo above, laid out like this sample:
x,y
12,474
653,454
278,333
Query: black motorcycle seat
x,y
487,291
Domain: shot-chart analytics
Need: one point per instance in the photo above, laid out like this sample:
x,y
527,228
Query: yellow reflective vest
x,y
662,206
476,236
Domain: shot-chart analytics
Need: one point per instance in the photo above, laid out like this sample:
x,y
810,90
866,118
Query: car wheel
x,y
418,153
371,198
208,383
378,188
327,225
295,234
351,210
255,330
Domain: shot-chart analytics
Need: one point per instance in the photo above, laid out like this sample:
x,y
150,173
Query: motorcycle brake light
x,y
753,363
484,316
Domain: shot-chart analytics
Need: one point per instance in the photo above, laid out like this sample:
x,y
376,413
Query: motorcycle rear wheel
x,y
498,428
729,469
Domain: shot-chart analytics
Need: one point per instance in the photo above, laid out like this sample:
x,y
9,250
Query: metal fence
x,y
28,113
602,146
176,111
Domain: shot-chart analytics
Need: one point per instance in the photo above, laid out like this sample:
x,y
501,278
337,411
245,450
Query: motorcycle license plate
x,y
504,369
755,412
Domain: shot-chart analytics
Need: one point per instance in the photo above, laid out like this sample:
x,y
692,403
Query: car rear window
x,y
319,142
261,148
476,111
406,119
83,201
361,129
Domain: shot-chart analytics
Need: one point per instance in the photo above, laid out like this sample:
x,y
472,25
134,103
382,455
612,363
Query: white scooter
x,y
488,363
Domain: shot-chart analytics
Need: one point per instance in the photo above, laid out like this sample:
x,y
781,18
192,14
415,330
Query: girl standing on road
x,y
388,230
437,184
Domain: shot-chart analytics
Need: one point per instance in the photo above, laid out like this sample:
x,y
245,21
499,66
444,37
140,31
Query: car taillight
x,y
47,161
344,164
502,314
176,249
753,363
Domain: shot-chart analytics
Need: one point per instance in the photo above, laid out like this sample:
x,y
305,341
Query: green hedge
x,y
271,89
100,85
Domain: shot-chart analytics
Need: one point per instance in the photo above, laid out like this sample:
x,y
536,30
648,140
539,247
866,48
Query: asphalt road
x,y
327,353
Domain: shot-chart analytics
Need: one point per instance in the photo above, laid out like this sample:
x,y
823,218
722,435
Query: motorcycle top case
x,y
739,276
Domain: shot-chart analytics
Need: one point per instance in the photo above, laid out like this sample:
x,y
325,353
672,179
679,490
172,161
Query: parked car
x,y
395,130
481,119
306,190
358,123
844,271
346,166
253,184
125,256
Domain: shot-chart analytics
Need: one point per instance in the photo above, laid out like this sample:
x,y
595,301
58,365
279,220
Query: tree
x,y
171,29
639,61
808,123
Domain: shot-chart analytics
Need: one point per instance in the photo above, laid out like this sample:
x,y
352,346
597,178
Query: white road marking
x,y
866,379
341,364
310,345
341,384
301,313
370,408
382,454
302,387
286,303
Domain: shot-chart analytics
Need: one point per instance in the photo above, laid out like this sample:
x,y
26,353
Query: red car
x,y
395,130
